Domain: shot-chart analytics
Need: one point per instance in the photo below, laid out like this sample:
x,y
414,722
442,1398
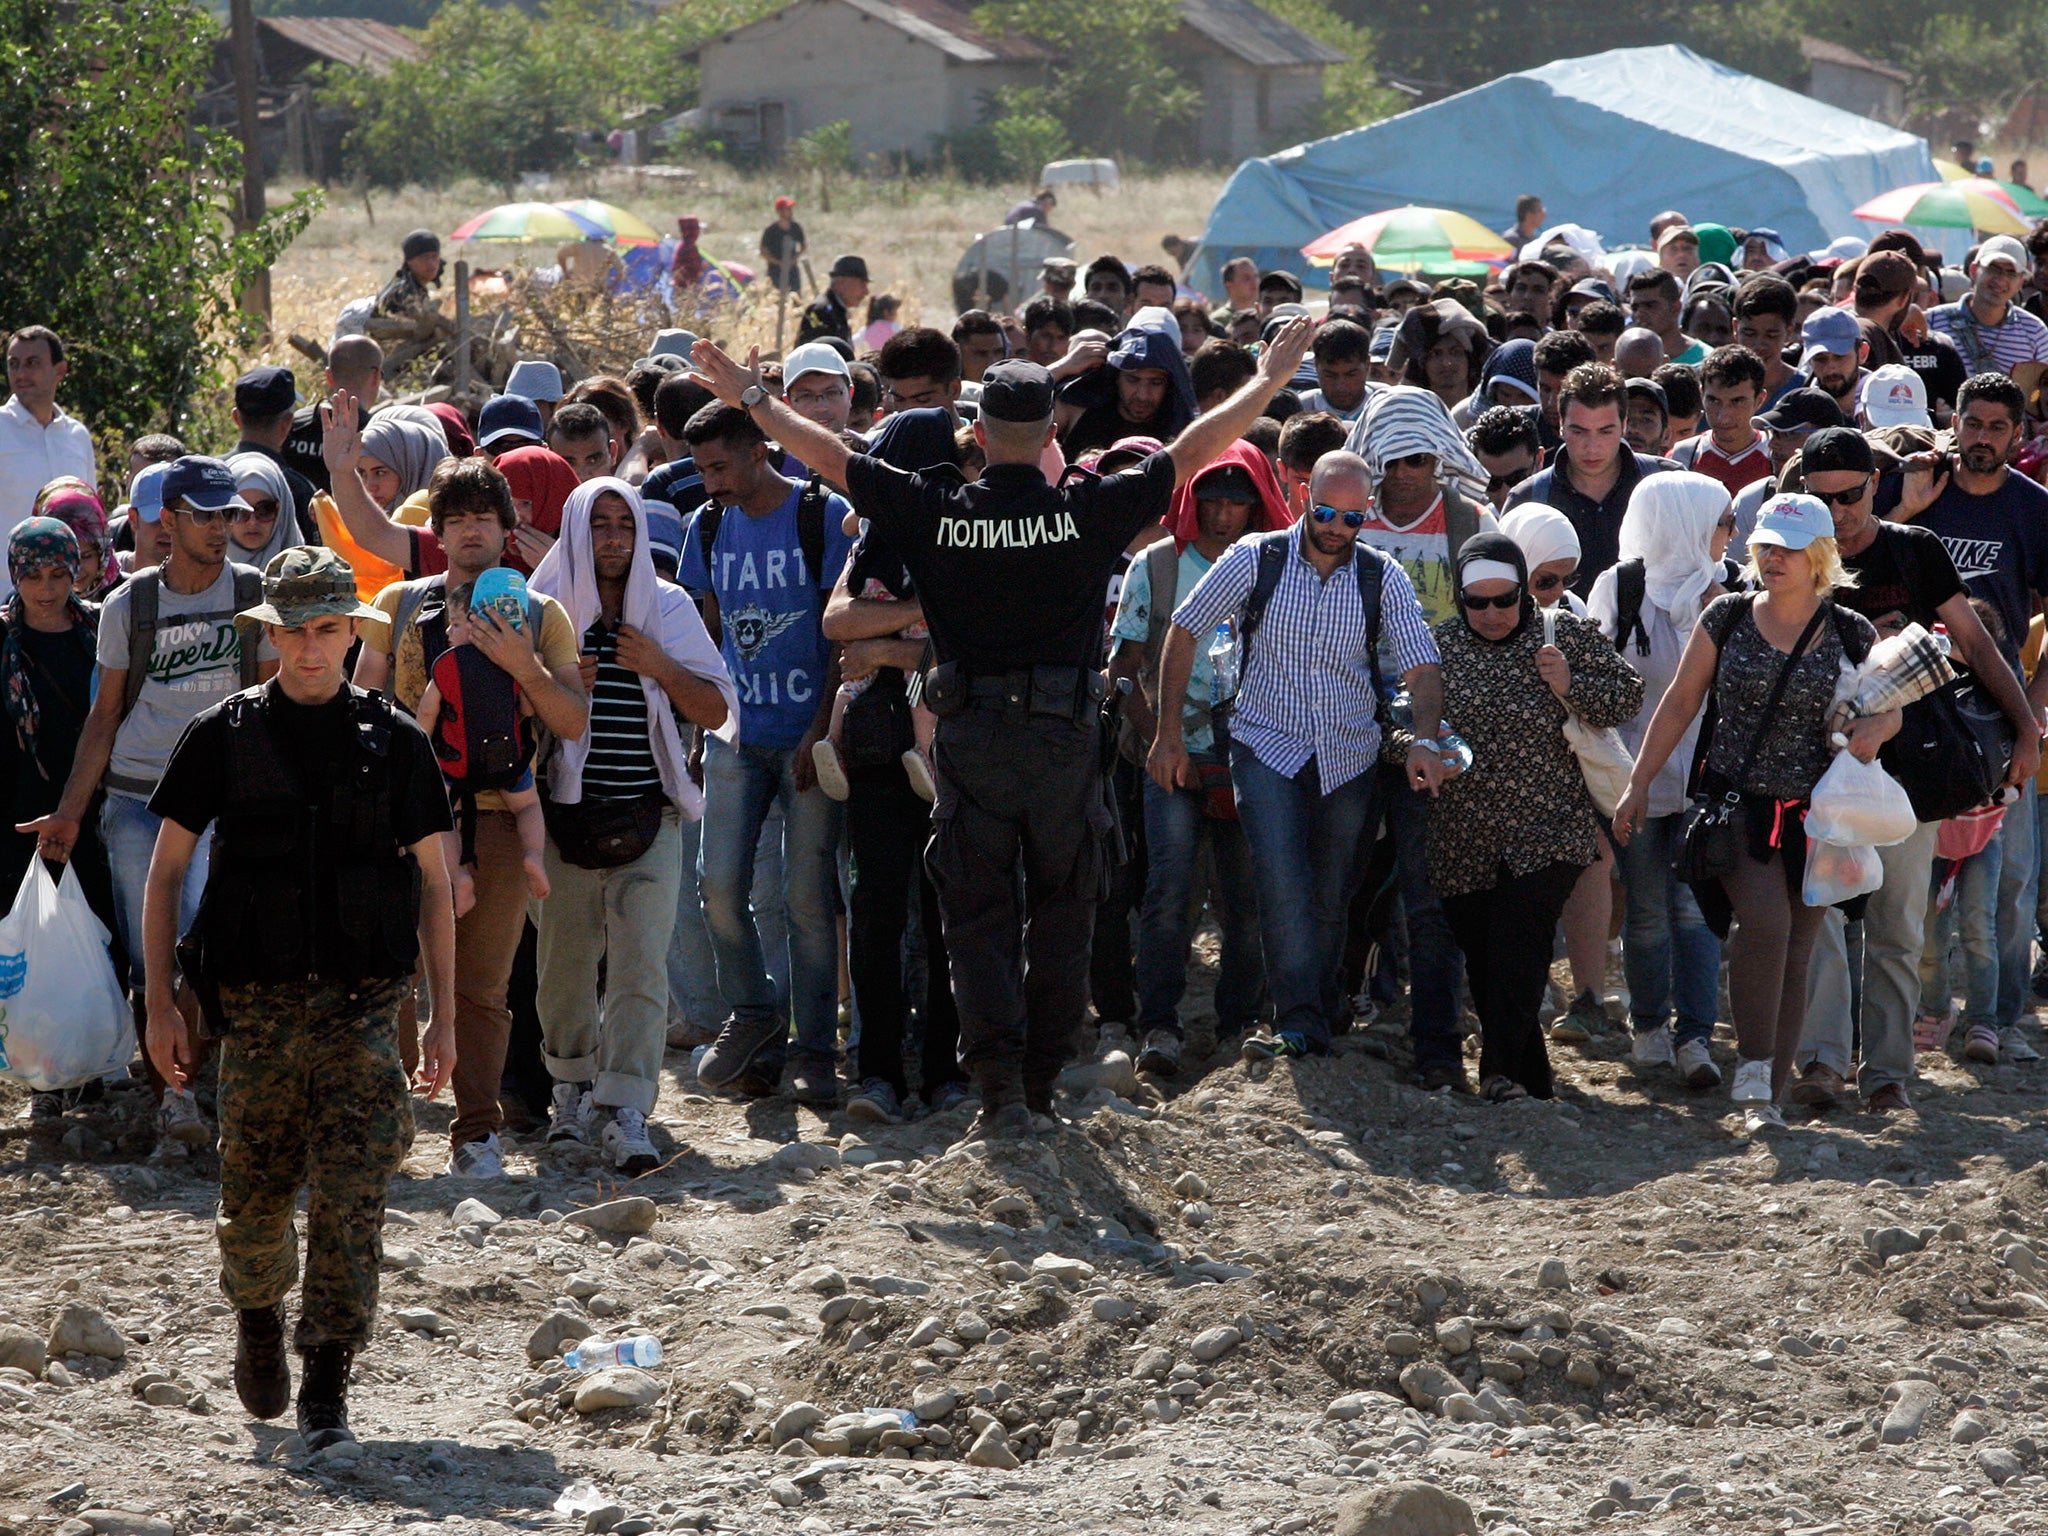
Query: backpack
x,y
1631,586
810,534
1162,570
481,738
1367,562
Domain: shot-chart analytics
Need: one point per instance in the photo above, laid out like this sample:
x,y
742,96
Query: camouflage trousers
x,y
312,1096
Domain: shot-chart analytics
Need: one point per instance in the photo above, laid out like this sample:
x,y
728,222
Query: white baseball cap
x,y
814,357
1894,396
2006,249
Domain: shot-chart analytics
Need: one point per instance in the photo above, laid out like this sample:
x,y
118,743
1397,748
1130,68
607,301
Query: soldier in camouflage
x,y
325,891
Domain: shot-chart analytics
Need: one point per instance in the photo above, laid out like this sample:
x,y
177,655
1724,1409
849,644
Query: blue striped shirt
x,y
1307,691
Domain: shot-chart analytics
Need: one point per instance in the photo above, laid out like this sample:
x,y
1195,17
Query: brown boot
x,y
263,1381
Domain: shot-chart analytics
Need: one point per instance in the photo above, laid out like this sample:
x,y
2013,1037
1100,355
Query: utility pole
x,y
242,47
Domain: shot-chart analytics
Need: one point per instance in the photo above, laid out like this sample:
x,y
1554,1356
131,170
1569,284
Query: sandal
x,y
1931,1031
1502,1090
1981,1043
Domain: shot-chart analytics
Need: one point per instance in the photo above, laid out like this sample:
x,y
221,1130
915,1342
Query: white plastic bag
x,y
1859,805
63,1020
1835,873
1604,762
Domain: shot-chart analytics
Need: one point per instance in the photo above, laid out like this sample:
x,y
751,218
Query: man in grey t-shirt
x,y
195,660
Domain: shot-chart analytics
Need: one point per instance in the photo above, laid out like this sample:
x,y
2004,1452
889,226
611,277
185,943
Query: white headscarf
x,y
568,574
261,472
1543,533
1669,526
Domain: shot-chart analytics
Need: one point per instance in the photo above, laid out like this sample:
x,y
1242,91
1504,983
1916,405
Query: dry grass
x,y
911,232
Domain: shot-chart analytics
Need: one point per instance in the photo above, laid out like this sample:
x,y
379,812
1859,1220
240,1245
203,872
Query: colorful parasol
x,y
1414,239
2031,204
1973,203
621,227
1948,170
531,222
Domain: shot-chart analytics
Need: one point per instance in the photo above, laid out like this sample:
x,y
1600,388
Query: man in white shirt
x,y
38,441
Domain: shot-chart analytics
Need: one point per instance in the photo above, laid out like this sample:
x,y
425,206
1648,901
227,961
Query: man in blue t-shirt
x,y
1994,524
763,566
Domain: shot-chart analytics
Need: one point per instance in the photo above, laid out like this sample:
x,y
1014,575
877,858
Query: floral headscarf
x,y
34,544
74,503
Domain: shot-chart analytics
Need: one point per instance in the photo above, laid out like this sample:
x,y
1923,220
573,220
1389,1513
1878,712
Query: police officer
x,y
1011,571
325,889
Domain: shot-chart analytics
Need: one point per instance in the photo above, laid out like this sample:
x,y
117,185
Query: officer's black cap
x,y
1014,390
266,392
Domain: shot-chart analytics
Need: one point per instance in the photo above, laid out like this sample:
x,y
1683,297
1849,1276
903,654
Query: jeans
x,y
1307,849
1894,934
740,784
1436,969
128,828
620,916
1669,953
2019,876
1175,829
888,826
1965,924
692,966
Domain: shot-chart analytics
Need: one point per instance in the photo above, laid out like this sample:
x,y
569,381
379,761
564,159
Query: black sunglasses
x,y
1545,582
1352,520
1510,480
1839,498
1505,600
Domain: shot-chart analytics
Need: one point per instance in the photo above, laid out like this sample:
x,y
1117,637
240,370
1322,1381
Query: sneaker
x,y
46,1108
877,1103
1581,1022
684,1036
1651,1048
569,1114
1287,1043
950,1096
1161,1055
831,772
476,1159
1820,1086
1696,1064
626,1144
2014,1045
1010,1123
727,1057
1752,1082
1981,1043
815,1083
178,1118
920,775
1762,1117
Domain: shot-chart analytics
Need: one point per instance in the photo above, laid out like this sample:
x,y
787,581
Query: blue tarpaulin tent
x,y
1608,141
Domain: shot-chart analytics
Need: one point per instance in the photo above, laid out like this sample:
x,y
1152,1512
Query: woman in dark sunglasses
x,y
1509,836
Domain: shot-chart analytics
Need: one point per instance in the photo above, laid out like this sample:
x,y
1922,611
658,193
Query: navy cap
x,y
1014,390
202,482
266,392
1802,410
1226,482
506,416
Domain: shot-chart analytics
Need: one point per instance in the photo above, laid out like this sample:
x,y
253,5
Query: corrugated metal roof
x,y
1820,50
1255,35
936,23
354,40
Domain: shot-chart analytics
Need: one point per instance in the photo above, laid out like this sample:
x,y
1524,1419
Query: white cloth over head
x,y
1669,526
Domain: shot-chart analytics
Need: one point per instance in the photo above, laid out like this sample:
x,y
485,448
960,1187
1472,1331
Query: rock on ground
x,y
1405,1509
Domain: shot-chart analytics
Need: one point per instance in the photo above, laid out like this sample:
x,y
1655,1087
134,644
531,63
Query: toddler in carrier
x,y
865,579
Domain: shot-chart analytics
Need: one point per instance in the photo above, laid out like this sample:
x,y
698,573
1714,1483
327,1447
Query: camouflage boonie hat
x,y
308,582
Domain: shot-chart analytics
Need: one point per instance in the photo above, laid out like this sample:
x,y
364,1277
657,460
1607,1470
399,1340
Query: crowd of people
x,y
877,722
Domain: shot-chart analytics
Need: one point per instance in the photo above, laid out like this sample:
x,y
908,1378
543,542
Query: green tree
x,y
827,150
1027,136
1114,89
115,219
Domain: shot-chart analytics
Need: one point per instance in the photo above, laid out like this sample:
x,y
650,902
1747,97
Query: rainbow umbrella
x,y
528,221
1416,239
2031,204
619,226
1948,170
1973,203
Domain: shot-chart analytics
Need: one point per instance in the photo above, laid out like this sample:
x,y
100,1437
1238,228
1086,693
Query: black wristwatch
x,y
752,396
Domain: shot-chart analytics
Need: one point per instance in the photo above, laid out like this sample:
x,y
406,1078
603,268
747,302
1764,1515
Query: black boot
x,y
263,1381
323,1396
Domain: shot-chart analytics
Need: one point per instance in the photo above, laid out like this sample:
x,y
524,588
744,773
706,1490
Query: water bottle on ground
x,y
596,1354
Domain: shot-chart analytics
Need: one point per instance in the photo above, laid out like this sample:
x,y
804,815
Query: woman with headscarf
x,y
1509,836
268,524
688,267
541,482
399,455
1442,348
1673,536
454,429
76,505
1508,377
652,671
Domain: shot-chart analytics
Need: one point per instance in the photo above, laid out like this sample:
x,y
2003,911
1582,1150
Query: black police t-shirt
x,y
315,739
1902,578
1010,569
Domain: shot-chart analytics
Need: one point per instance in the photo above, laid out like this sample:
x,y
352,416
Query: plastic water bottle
x,y
1225,669
596,1354
1456,752
1941,640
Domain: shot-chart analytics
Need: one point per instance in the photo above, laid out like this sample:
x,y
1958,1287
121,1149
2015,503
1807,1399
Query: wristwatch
x,y
752,396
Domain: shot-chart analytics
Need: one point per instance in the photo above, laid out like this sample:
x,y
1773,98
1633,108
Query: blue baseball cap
x,y
1829,329
1792,521
146,495
508,416
502,592
202,482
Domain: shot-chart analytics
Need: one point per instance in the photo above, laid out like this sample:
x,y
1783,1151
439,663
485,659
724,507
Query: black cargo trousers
x,y
1019,794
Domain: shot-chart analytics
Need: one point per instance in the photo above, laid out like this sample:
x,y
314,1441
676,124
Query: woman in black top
x,y
48,635
1771,757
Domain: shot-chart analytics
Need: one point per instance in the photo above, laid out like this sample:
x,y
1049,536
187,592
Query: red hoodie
x,y
1270,513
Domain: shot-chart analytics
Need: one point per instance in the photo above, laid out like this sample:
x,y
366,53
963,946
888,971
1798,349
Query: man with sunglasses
x,y
1903,575
1506,444
168,649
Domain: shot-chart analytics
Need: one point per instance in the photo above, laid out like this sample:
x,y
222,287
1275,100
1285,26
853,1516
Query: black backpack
x,y
1367,562
810,534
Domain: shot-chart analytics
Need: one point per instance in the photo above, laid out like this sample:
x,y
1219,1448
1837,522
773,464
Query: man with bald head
x,y
1639,353
355,365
